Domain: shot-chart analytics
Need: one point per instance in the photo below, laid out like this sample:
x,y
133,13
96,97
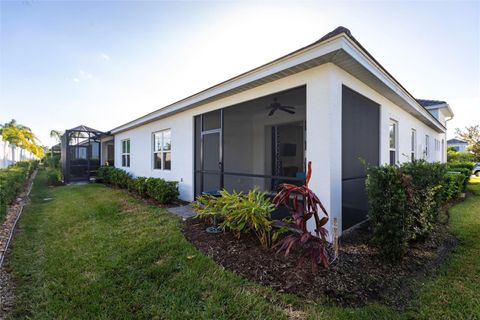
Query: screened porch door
x,y
211,162
209,155
79,165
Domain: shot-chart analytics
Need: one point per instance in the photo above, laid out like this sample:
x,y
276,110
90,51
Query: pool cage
x,y
80,154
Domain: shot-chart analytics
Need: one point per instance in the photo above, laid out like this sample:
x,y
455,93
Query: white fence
x,y
10,153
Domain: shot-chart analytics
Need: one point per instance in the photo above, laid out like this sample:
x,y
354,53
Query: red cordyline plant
x,y
303,204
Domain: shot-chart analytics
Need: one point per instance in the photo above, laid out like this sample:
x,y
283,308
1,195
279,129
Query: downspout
x,y
445,153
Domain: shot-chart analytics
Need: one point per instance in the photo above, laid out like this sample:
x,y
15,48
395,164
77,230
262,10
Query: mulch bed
x,y
358,277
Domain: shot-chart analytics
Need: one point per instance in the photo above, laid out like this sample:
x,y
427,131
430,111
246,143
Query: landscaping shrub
x,y
105,174
120,178
388,215
464,168
460,156
303,205
241,213
139,185
51,161
163,191
461,164
427,180
113,176
54,176
453,185
12,181
404,203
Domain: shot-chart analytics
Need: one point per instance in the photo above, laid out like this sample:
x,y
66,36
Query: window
x,y
126,153
393,141
162,150
427,146
437,145
413,143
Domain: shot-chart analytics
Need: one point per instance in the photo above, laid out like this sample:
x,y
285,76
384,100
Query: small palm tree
x,y
56,134
21,136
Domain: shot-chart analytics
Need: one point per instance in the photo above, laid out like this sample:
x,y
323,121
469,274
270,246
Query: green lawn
x,y
96,253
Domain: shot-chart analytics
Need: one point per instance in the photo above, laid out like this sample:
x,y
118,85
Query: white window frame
x,y
125,153
427,146
413,147
443,150
159,149
395,137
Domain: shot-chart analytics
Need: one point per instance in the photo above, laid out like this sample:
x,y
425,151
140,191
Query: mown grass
x,y
94,252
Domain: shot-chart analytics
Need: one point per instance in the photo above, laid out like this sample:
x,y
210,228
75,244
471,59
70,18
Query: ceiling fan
x,y
275,105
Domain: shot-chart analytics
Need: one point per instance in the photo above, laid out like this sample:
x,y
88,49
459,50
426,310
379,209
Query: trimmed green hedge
x,y
454,185
404,202
159,189
464,168
12,181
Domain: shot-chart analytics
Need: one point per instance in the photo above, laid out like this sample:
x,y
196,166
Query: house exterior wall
x,y
324,129
182,129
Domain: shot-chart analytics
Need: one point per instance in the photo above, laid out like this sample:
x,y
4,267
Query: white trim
x,y
413,144
161,151
395,137
124,153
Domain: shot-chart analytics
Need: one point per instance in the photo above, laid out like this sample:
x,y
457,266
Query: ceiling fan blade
x,y
287,110
272,112
288,107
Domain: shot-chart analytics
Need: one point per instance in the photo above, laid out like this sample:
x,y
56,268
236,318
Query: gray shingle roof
x,y
456,141
428,103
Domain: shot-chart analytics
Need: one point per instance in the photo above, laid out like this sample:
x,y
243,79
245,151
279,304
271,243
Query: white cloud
x,y
105,56
82,76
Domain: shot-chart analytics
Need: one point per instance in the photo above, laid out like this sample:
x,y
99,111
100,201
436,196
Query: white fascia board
x,y
292,60
358,54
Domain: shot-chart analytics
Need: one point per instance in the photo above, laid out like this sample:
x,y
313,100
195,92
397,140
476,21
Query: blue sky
x,y
105,63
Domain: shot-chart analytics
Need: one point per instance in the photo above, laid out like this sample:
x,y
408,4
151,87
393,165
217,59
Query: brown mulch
x,y
359,276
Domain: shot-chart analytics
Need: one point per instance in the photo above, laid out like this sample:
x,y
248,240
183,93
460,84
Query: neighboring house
x,y
56,149
330,103
457,144
10,154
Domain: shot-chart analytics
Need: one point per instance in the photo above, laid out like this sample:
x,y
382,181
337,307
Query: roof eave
x,y
442,106
338,42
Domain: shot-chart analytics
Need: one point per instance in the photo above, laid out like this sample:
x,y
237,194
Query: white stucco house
x,y
330,103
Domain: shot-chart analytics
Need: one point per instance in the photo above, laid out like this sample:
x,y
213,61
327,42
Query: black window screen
x,y
360,143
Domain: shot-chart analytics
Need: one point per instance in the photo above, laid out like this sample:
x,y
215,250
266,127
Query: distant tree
x,y
471,135
21,136
57,135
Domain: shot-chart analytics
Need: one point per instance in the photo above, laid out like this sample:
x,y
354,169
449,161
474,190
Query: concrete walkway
x,y
184,212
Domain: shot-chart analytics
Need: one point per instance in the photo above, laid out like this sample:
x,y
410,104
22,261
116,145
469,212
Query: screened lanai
x,y
255,144
80,153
